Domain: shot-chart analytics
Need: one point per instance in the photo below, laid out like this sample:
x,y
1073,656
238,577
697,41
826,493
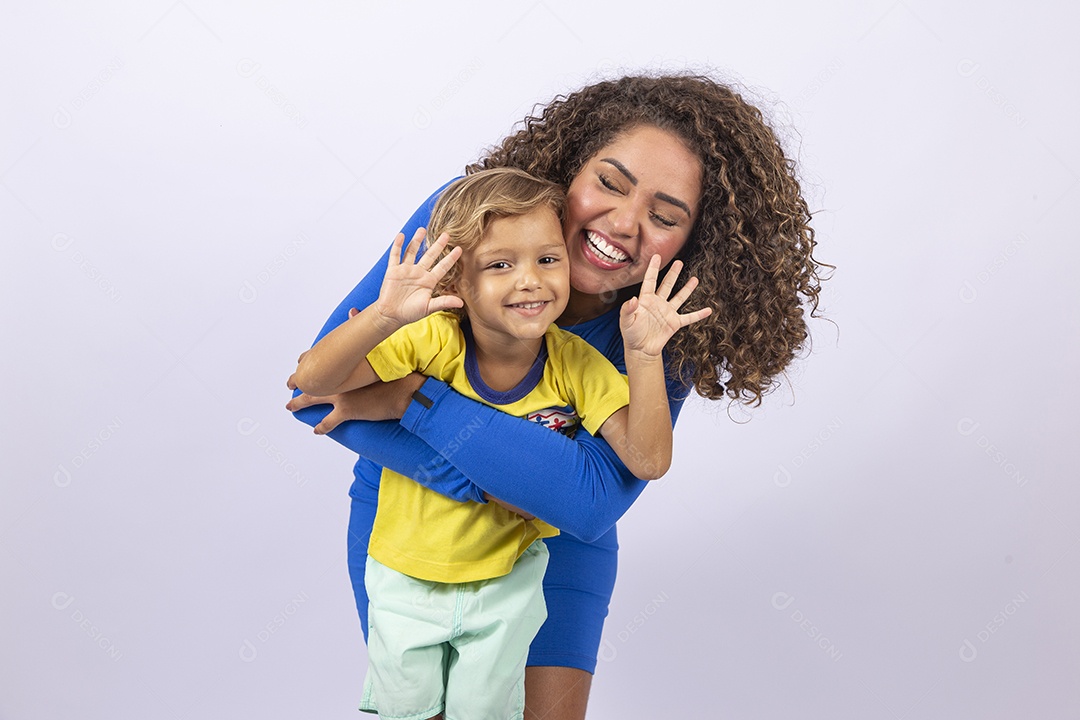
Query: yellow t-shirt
x,y
426,535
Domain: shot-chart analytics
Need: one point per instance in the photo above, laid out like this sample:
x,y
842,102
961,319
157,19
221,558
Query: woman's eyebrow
x,y
676,202
659,196
621,168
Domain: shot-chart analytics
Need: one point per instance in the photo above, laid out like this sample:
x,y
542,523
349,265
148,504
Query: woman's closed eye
x,y
665,221
609,183
614,187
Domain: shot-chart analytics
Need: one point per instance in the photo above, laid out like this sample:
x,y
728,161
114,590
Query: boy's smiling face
x,y
516,281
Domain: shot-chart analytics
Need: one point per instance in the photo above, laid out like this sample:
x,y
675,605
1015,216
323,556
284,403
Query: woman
x,y
678,166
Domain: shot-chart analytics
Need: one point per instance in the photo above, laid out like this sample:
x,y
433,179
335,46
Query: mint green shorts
x,y
454,648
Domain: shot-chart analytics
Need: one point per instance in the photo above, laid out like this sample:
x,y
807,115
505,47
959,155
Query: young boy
x,y
455,588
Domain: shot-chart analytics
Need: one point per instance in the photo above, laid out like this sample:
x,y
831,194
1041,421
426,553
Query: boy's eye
x,y
500,265
548,260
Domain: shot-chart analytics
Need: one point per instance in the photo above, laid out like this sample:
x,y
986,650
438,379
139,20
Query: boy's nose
x,y
528,280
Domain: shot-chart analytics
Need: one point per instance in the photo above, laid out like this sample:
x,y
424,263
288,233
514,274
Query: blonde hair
x,y
468,206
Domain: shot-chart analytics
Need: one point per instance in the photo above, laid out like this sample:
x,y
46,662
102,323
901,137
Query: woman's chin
x,y
604,283
588,285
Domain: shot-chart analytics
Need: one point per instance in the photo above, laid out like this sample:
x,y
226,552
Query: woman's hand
x,y
378,401
405,295
649,320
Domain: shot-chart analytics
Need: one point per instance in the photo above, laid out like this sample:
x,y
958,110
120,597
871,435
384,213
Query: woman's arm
x,y
580,486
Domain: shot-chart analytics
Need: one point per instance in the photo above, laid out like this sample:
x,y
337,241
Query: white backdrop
x,y
188,189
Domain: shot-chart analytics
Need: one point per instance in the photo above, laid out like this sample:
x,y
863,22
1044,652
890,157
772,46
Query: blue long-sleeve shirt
x,y
462,448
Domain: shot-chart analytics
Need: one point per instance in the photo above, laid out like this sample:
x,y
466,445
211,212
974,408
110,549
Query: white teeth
x,y
605,248
528,306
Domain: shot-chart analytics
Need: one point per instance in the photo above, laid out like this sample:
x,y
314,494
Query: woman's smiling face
x,y
636,197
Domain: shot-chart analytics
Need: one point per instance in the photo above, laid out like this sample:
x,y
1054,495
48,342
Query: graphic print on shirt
x,y
560,419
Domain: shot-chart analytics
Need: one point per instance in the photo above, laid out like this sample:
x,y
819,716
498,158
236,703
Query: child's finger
x,y
669,279
648,283
629,307
684,292
395,250
433,251
446,302
693,317
414,246
446,263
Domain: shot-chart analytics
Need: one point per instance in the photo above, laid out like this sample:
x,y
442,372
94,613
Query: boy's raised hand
x,y
405,295
649,320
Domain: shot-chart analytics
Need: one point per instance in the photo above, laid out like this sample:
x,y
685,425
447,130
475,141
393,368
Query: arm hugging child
x,y
481,317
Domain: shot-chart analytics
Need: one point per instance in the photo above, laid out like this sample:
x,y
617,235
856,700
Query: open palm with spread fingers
x,y
649,320
405,295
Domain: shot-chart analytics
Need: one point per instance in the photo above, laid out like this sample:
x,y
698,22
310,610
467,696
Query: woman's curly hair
x,y
752,245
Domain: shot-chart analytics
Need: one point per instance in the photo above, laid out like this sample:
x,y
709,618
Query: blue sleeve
x,y
580,486
388,443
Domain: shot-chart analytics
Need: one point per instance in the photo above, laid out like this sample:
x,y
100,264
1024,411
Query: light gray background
x,y
187,190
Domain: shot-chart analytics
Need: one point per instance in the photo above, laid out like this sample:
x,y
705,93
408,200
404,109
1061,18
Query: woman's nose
x,y
625,218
